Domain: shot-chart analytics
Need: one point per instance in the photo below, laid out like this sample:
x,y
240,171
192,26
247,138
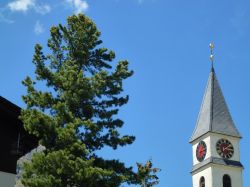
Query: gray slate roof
x,y
214,115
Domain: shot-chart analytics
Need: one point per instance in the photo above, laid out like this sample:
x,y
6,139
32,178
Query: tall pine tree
x,y
77,114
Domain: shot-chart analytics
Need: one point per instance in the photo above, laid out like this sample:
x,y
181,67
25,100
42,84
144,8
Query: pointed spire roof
x,y
214,115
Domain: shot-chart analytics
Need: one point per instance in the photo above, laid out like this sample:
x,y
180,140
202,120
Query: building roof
x,y
8,107
214,115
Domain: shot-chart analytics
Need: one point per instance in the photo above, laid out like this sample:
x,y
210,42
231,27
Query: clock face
x,y
201,151
224,148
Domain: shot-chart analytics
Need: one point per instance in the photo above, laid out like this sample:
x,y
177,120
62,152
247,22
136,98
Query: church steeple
x,y
214,115
215,140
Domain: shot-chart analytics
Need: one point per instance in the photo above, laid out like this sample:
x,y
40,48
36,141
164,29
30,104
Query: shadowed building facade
x,y
14,141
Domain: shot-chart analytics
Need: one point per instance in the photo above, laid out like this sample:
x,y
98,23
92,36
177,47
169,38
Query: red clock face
x,y
224,148
201,151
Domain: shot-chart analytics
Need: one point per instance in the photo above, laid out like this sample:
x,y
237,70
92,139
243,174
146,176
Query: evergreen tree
x,y
77,114
146,175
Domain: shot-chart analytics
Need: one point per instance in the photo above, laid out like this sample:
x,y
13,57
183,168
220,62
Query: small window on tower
x,y
226,181
202,182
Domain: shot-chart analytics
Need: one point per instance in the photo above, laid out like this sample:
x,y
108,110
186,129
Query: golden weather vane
x,y
211,46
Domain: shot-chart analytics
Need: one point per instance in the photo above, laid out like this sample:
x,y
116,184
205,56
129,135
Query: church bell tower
x,y
215,141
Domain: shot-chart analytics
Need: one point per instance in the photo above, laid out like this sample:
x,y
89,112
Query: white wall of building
x,y
7,179
206,173
235,173
213,175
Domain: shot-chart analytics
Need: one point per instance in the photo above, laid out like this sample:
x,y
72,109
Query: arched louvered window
x,y
202,182
226,181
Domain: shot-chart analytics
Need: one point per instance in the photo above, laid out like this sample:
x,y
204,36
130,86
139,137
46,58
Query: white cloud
x,y
78,5
38,29
21,5
25,5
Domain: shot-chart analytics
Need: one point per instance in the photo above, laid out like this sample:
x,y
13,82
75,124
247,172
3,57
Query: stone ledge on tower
x,y
215,160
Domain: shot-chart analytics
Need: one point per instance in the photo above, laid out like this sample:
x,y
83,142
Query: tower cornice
x,y
217,161
209,133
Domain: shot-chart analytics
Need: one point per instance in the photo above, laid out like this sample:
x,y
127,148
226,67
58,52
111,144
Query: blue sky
x,y
166,43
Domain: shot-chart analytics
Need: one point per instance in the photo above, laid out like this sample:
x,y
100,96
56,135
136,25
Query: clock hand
x,y
227,147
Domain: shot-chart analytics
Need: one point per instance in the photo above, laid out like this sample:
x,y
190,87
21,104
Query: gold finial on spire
x,y
211,46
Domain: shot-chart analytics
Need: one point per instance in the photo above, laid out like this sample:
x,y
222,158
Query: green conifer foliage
x,y
146,174
77,114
